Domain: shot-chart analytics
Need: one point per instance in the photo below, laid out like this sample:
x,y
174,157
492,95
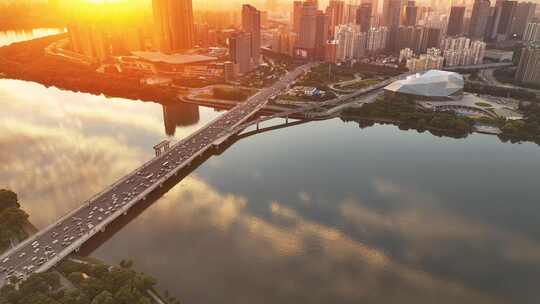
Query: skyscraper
x,y
532,32
479,19
374,6
456,21
174,26
308,25
431,38
392,17
240,52
529,65
321,35
508,9
336,13
363,17
296,15
523,15
411,14
251,23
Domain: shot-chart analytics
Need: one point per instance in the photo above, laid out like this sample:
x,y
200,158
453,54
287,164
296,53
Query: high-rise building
x,y
336,13
411,14
89,40
174,26
406,37
456,21
251,23
462,51
376,39
508,9
308,27
350,13
529,65
351,42
240,52
479,19
296,16
363,17
493,21
431,38
321,35
405,54
392,18
425,62
523,15
283,42
532,32
374,6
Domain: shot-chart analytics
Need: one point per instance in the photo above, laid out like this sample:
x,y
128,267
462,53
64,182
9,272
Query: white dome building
x,y
432,85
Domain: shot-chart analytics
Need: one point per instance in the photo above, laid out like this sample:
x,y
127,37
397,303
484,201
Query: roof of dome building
x,y
431,84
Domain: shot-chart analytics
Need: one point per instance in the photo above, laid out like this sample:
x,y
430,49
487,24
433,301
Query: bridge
x,y
48,247
483,66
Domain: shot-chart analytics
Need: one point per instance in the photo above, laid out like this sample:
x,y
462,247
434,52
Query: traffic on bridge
x,y
48,247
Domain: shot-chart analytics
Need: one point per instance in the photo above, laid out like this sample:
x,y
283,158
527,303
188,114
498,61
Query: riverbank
x,y
82,281
28,61
407,115
14,225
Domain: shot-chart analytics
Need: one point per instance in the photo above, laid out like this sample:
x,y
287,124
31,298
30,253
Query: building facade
x,y
173,24
529,65
479,19
251,23
456,21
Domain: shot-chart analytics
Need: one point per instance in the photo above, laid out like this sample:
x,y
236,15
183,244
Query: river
x,y
324,212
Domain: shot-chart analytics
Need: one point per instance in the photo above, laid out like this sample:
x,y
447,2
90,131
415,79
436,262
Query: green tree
x,y
8,199
104,297
75,297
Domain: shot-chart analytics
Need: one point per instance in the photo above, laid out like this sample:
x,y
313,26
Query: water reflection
x,y
9,37
179,115
59,148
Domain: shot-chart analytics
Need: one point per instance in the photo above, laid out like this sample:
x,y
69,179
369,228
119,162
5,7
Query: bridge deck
x,y
48,247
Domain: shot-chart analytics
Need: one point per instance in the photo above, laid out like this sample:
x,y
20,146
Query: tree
x,y
75,277
8,199
126,263
75,297
103,298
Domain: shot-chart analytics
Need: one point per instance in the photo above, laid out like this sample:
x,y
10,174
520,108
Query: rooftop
x,y
158,57
433,83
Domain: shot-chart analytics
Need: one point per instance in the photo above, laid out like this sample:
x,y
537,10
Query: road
x,y
482,66
49,246
488,77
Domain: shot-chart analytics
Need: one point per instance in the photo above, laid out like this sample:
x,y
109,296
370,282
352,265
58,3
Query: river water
x,y
324,212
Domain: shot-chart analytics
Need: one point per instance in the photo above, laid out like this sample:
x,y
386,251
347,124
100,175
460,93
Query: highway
x,y
49,246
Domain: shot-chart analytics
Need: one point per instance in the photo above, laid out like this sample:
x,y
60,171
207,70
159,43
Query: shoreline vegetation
x,y
404,113
89,281
85,281
13,220
27,61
